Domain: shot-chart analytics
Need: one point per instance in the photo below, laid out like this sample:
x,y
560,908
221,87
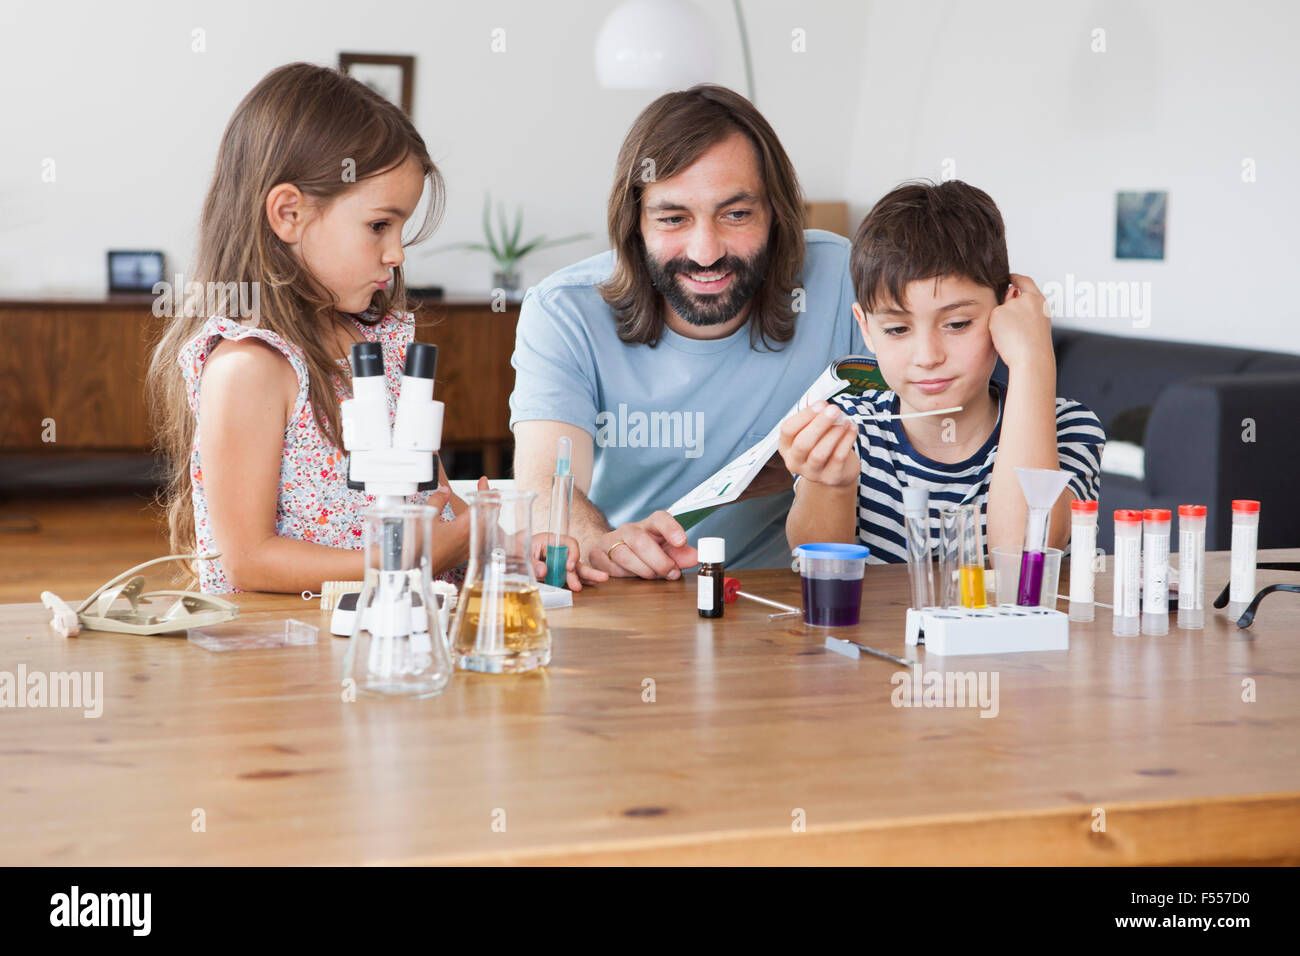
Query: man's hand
x,y
652,548
577,570
819,443
1021,326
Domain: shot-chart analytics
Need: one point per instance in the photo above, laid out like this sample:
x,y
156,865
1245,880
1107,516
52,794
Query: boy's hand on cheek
x,y
1021,326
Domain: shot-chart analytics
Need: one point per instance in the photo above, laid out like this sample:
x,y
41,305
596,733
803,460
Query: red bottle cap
x,y
1128,517
1156,514
1245,505
730,590
1191,511
1084,506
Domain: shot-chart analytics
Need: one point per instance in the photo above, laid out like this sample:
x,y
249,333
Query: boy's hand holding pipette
x,y
577,570
819,443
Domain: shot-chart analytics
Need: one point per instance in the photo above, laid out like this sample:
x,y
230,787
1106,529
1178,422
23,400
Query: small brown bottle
x,y
709,584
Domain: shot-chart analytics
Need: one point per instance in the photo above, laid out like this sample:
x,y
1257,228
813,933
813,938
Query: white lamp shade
x,y
654,44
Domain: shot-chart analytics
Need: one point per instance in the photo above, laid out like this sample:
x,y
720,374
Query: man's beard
x,y
708,309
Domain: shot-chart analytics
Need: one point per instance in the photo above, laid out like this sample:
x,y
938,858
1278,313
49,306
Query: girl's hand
x,y
819,443
577,570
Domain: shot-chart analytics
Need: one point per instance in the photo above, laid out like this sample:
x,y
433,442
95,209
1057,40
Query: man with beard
x,y
668,356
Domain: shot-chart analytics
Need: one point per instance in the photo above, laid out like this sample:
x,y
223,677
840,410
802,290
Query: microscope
x,y
391,463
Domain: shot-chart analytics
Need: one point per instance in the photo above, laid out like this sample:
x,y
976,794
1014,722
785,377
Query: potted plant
x,y
505,248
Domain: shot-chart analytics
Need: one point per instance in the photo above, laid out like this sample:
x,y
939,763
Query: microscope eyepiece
x,y
421,360
367,359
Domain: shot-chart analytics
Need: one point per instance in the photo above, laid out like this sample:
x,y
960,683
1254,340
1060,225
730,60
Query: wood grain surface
x,y
753,729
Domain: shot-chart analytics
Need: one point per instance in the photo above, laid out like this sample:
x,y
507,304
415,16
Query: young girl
x,y
315,176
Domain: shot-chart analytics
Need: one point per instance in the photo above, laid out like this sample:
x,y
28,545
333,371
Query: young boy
x,y
937,306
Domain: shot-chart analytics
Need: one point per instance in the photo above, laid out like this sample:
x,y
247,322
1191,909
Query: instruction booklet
x,y
850,375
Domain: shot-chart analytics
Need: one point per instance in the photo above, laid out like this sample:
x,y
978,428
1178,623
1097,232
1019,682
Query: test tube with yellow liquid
x,y
971,562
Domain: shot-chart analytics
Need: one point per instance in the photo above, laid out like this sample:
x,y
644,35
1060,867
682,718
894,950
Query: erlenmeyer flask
x,y
500,626
397,647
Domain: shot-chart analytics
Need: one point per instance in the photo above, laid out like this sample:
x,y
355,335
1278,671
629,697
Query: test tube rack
x,y
1000,629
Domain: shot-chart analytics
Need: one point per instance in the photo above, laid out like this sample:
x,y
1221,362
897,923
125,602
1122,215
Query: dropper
x,y
557,552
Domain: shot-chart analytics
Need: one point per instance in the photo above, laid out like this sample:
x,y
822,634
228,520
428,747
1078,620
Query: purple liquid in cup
x,y
831,602
1031,579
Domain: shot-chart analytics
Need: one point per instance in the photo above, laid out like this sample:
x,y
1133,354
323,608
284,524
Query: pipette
x,y
557,552
891,417
1042,486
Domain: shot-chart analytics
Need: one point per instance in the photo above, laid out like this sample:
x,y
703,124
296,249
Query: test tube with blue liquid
x,y
557,552
1042,487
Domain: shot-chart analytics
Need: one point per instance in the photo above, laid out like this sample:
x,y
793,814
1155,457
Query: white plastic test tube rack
x,y
1000,629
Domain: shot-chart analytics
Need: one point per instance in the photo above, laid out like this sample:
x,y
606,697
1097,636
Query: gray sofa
x,y
1185,404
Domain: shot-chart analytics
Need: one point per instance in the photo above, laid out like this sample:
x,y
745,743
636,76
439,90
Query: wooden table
x,y
754,729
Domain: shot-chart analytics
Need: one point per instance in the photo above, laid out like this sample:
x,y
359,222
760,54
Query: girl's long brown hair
x,y
673,132
320,130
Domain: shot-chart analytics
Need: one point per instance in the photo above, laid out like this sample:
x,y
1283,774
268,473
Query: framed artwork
x,y
132,271
1140,225
391,76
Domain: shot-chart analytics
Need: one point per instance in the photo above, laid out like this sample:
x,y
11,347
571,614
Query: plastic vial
x,y
920,569
1155,571
1245,543
1128,562
1191,567
708,586
1083,544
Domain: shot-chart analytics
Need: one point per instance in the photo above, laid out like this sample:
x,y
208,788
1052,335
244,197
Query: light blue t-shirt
x,y
666,418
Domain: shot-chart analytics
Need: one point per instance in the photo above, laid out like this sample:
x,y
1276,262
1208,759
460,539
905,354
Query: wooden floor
x,y
65,545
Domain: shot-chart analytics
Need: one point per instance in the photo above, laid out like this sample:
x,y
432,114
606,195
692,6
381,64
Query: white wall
x,y
133,117
886,90
1013,94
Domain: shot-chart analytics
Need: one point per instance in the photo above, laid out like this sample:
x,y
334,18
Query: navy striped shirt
x,y
889,461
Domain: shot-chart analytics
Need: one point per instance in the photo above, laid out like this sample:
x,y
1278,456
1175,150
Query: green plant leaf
x,y
487,226
519,225
529,247
541,242
507,247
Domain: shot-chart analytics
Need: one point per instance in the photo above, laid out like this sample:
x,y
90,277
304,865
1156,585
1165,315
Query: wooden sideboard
x,y
81,362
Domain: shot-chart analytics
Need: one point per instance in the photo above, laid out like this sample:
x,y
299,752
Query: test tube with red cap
x,y
1128,565
1083,542
1245,544
1191,567
1155,571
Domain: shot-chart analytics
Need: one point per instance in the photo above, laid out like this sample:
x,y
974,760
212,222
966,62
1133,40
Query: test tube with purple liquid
x,y
1042,487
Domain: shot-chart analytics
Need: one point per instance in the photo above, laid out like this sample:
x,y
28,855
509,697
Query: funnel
x,y
1042,487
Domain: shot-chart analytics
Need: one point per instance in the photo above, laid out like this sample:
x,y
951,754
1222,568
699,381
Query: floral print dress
x,y
315,504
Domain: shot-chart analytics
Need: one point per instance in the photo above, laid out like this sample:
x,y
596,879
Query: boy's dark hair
x,y
921,230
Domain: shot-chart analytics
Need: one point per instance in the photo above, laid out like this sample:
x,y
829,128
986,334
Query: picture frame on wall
x,y
392,76
1140,224
131,270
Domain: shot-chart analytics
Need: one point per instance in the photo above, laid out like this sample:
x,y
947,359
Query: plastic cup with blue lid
x,y
832,582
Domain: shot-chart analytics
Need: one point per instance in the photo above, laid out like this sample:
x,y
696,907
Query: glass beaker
x,y
500,626
398,648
